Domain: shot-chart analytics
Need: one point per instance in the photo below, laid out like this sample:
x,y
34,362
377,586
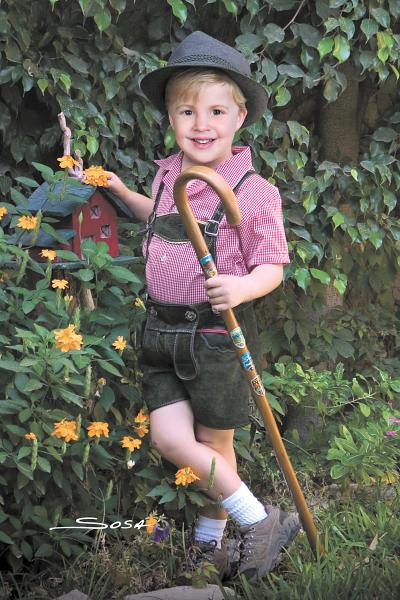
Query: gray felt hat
x,y
201,50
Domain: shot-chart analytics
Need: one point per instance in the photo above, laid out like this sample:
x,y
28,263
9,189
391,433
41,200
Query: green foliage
x,y
341,215
87,58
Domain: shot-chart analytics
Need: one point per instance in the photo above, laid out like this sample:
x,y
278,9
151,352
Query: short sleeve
x,y
262,234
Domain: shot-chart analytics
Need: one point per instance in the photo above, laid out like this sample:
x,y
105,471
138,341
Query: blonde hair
x,y
188,83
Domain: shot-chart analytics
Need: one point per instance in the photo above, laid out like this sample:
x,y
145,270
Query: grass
x,y
361,562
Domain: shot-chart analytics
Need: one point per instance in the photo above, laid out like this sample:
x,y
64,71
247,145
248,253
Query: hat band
x,y
215,61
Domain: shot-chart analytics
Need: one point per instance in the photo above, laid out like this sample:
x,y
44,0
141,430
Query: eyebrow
x,y
191,105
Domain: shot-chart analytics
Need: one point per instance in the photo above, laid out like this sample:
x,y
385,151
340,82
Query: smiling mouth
x,y
202,142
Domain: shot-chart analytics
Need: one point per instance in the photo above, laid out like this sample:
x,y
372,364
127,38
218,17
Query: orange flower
x,y
67,162
50,254
96,176
141,417
65,429
151,522
97,428
139,303
67,339
141,430
25,222
3,211
130,443
185,476
30,436
120,343
61,284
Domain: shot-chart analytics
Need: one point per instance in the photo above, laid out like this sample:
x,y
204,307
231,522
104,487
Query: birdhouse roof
x,y
59,201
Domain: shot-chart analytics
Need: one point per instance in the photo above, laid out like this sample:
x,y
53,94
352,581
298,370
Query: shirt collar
x,y
232,170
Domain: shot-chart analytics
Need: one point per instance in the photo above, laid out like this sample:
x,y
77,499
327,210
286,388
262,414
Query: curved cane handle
x,y
220,186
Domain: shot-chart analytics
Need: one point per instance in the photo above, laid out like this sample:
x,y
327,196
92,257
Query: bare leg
x,y
173,435
221,441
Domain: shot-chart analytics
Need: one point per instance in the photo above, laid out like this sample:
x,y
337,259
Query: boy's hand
x,y
225,291
115,185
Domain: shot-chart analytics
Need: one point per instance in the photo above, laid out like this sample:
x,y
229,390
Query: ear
x,y
171,121
241,117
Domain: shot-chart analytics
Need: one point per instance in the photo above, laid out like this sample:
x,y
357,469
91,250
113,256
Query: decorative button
x,y
152,311
190,315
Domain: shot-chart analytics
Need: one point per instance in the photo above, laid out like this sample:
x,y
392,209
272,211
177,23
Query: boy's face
x,y
204,126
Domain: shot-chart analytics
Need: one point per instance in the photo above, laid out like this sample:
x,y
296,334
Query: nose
x,y
201,121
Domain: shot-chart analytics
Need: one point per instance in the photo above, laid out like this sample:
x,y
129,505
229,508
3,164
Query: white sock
x,y
207,529
244,507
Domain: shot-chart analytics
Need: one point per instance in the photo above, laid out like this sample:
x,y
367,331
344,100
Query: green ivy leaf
x,y
282,96
111,87
369,27
341,50
338,219
302,277
321,275
103,19
230,6
325,46
274,33
42,85
179,10
382,16
66,80
384,134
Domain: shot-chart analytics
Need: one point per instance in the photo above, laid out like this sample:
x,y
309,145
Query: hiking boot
x,y
223,559
263,541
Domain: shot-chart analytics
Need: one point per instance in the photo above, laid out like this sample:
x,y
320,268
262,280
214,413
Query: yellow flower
x,y
59,283
97,428
65,429
120,343
96,176
101,381
185,476
130,443
141,417
50,254
68,298
67,162
67,339
139,303
25,222
30,436
3,211
151,522
141,430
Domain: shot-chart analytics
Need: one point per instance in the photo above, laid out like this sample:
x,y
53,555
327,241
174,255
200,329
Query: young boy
x,y
192,382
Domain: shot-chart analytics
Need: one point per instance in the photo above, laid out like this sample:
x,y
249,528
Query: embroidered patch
x,y
247,361
205,259
237,337
257,386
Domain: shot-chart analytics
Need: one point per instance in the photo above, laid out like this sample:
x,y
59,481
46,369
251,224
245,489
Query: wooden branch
x,y
74,171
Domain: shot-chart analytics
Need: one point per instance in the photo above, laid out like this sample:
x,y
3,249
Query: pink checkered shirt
x,y
173,273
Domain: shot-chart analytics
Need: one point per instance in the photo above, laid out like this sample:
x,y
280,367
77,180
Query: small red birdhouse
x,y
80,212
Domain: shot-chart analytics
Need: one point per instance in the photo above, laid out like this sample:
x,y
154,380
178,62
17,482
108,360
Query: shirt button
x,y
190,315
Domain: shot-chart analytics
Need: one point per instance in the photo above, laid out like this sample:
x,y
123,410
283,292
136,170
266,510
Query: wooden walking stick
x,y
218,183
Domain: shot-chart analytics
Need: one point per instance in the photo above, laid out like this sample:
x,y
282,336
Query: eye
x,y
217,111
187,112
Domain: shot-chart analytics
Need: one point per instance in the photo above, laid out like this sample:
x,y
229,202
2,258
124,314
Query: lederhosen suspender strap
x,y
212,226
150,222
